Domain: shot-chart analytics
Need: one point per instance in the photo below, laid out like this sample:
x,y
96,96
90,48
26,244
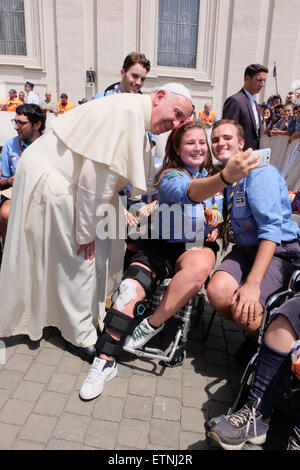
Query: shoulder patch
x,y
173,174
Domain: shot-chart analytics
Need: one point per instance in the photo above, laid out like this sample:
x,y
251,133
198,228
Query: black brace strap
x,y
119,322
143,276
108,345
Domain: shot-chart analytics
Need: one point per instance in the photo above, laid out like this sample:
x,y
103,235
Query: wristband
x,y
223,179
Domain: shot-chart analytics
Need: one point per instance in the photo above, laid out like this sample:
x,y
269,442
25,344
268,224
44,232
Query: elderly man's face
x,y
168,111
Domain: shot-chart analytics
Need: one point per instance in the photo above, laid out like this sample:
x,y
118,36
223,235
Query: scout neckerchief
x,y
227,233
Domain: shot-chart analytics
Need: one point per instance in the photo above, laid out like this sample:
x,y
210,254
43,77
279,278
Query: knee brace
x,y
120,323
143,276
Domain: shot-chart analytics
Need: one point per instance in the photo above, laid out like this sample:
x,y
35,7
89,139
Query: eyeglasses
x,y
16,122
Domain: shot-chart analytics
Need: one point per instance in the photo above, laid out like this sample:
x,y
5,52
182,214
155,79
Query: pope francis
x,y
55,271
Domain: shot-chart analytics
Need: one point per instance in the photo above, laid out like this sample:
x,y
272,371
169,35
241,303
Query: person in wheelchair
x,y
182,182
257,215
278,359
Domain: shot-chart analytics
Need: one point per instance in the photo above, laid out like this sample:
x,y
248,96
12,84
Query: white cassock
x,y
61,181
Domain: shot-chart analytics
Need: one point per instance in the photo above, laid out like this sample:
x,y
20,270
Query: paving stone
x,y
4,395
8,434
69,365
116,387
190,379
51,403
109,408
133,433
193,398
102,434
192,419
20,444
78,406
40,373
30,348
138,407
220,390
169,387
71,427
18,362
60,444
61,383
48,356
29,391
10,379
166,408
38,428
15,411
165,433
142,386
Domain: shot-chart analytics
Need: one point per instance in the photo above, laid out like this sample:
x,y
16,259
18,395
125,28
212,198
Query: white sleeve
x,y
97,185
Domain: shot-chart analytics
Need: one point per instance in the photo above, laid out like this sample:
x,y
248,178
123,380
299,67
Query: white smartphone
x,y
264,156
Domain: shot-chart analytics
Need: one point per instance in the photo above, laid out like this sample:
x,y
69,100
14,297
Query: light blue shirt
x,y
11,154
115,90
261,209
186,224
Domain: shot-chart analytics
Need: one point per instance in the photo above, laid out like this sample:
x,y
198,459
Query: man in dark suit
x,y
242,106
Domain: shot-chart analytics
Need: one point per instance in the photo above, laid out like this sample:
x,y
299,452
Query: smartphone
x,y
264,156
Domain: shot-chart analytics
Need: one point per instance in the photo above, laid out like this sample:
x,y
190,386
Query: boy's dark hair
x,y
136,58
34,113
253,69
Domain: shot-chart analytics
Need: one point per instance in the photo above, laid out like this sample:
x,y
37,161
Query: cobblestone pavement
x,y
147,406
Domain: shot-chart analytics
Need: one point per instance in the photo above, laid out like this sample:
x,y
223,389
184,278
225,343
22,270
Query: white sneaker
x,y
97,376
141,335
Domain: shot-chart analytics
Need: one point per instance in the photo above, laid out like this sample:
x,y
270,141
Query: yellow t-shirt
x,y
12,104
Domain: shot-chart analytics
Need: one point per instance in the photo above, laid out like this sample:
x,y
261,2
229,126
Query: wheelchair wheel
x,y
177,360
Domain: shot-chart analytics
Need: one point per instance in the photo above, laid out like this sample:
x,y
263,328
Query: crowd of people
x,y
59,269
28,96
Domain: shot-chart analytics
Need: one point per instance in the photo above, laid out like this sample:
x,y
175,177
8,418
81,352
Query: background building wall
x,y
68,37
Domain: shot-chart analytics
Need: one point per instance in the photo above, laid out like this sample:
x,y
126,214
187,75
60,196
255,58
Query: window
x,y
178,33
179,37
12,27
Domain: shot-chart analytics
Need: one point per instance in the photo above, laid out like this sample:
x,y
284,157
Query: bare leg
x,y
193,268
220,292
280,335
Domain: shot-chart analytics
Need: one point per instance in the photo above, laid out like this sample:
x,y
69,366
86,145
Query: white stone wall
x,y
67,37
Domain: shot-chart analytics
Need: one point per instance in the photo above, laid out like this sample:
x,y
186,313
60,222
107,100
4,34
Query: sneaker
x,y
294,441
246,425
99,374
141,335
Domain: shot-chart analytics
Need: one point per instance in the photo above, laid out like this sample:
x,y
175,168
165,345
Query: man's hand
x,y
245,305
88,249
240,165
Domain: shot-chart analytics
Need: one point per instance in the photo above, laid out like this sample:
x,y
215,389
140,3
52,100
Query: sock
x,y
109,363
271,376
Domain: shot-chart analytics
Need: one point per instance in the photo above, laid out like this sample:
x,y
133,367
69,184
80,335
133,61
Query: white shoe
x,y
141,335
97,376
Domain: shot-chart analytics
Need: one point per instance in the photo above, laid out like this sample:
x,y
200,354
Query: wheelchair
x,y
274,301
175,354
